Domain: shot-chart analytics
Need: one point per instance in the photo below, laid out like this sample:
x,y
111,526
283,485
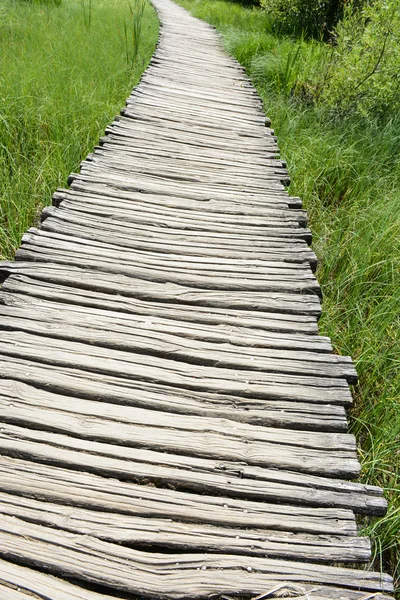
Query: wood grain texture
x,y
27,583
186,537
137,572
172,424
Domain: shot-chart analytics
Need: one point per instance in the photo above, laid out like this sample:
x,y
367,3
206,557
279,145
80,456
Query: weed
x,y
63,77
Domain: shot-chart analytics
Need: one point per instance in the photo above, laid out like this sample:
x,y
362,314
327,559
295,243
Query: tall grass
x,y
64,74
348,173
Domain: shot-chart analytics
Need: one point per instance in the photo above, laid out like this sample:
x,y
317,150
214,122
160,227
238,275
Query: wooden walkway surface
x,y
173,424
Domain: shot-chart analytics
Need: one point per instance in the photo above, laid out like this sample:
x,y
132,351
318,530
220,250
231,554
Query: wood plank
x,y
68,223
274,413
206,159
336,460
143,336
275,210
25,295
184,473
140,367
110,283
162,534
23,400
75,488
119,221
85,254
247,269
187,171
132,571
124,138
245,323
32,584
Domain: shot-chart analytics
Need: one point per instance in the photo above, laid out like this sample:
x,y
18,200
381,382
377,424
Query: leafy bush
x,y
305,17
363,74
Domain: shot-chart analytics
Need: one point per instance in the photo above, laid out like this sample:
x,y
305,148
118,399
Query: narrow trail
x,y
173,426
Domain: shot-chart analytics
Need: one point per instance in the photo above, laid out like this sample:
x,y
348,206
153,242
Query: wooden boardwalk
x,y
173,425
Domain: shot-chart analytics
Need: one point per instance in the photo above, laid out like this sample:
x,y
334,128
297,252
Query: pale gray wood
x,y
30,584
74,488
24,294
133,571
80,253
175,373
334,461
89,279
246,268
187,537
245,323
274,413
33,585
161,329
126,423
118,218
271,208
123,138
144,336
186,473
127,237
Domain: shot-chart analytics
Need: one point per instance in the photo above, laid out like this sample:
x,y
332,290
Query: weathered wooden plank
x,y
20,583
150,533
25,295
144,336
89,279
140,367
246,323
184,97
76,488
149,85
171,134
27,403
334,461
114,200
119,221
186,473
131,140
188,171
68,223
99,192
85,253
227,267
194,134
272,211
125,569
202,162
274,413
32,584
189,168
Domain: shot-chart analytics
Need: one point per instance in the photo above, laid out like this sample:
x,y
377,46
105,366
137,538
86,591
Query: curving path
x,y
173,424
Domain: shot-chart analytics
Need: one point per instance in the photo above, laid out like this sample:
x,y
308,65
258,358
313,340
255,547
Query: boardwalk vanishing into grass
x,y
173,425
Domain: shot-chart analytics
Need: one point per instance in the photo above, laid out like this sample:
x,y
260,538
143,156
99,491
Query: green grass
x,y
65,71
348,173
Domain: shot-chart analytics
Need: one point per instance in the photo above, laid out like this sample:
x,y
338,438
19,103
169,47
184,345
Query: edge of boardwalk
x,y
154,392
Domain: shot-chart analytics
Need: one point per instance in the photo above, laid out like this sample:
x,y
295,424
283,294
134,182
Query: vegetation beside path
x,y
66,68
346,167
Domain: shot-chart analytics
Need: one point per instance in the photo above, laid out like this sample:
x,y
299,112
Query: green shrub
x,y
363,74
305,17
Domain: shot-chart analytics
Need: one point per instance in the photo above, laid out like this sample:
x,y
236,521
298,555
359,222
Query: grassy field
x,y
65,71
348,173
